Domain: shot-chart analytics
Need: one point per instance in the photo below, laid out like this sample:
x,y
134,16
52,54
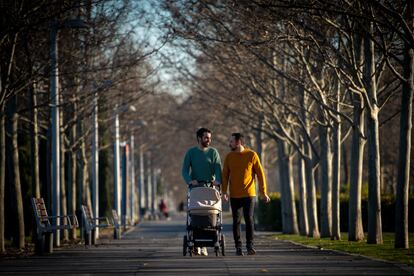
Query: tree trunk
x,y
85,178
310,175
355,227
374,161
344,156
79,176
326,184
403,180
143,200
283,184
303,212
149,182
2,174
260,147
17,183
73,177
35,144
289,218
336,174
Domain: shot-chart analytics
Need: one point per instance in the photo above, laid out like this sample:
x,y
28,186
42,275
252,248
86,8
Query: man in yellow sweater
x,y
239,170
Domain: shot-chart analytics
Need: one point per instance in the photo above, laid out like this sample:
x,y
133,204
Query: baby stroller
x,y
204,220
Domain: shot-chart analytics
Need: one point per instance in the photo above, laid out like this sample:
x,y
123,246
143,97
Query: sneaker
x,y
197,251
239,251
204,251
251,251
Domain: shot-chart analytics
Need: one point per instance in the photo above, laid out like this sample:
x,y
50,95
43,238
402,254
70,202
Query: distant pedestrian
x,y
163,208
181,206
241,165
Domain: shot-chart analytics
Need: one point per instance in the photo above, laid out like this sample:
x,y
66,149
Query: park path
x,y
155,248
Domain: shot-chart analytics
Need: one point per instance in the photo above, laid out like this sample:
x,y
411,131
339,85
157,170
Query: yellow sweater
x,y
239,172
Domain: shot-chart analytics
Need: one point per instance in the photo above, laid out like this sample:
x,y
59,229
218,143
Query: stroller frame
x,y
209,236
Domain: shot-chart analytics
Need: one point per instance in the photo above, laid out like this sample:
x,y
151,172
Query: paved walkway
x,y
155,248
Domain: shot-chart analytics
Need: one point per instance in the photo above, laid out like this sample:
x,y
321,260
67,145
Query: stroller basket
x,y
204,221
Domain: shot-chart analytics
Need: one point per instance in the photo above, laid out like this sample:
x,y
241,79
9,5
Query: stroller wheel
x,y
185,246
223,245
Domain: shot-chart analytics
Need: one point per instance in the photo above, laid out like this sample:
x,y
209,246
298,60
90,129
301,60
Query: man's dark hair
x,y
201,131
238,137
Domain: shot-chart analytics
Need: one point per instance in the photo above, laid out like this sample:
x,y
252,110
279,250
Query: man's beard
x,y
232,149
205,144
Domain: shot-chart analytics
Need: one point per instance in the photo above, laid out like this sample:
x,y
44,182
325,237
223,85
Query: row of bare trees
x,y
110,58
312,76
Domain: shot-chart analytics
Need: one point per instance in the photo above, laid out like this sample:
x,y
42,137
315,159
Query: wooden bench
x,y
91,223
45,226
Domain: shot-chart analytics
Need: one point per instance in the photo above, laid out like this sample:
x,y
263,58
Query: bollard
x,y
48,237
117,233
93,236
88,237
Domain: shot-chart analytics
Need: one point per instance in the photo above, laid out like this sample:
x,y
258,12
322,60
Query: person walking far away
x,y
202,165
241,165
164,209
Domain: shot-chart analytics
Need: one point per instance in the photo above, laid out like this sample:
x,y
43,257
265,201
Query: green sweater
x,y
201,165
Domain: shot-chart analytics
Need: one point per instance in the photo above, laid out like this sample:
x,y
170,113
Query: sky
x,y
148,22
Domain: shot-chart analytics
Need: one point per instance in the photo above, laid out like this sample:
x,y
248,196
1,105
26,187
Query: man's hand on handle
x,y
193,183
265,198
225,196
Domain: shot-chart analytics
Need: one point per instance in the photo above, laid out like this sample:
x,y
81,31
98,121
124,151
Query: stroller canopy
x,y
204,199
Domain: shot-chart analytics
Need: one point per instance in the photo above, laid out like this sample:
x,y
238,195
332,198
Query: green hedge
x,y
269,216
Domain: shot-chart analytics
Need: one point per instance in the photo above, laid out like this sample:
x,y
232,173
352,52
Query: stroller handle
x,y
203,183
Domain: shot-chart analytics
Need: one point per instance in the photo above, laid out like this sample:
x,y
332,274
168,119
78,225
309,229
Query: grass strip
x,y
385,251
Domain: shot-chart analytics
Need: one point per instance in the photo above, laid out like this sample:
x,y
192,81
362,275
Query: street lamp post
x,y
117,174
132,183
141,190
117,162
54,96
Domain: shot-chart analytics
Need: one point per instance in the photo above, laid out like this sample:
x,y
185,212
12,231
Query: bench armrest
x,y
72,220
98,219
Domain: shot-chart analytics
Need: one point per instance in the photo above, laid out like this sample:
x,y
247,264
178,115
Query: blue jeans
x,y
245,204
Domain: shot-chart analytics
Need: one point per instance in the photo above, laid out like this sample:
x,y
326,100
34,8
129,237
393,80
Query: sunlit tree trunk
x,y
85,176
374,161
35,144
355,226
17,183
289,219
79,173
303,211
73,168
326,184
403,180
336,173
310,175
2,173
72,199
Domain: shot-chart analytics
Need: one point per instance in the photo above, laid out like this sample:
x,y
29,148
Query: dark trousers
x,y
245,204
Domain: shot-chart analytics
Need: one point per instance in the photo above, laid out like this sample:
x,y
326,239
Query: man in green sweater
x,y
202,165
